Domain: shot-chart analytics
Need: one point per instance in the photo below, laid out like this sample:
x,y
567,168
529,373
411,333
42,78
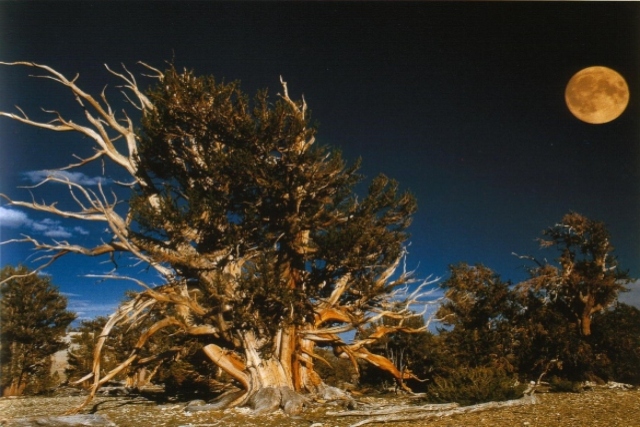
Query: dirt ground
x,y
599,407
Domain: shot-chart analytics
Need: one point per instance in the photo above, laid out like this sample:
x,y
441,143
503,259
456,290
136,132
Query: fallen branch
x,y
396,410
526,400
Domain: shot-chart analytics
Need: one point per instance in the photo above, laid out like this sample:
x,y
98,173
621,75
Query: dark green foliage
x,y
560,302
468,386
587,278
563,385
616,338
544,332
239,180
189,374
337,371
34,323
476,316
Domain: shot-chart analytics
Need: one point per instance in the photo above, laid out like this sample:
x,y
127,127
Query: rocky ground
x,y
597,407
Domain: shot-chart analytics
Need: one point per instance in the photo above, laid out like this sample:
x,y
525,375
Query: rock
x,y
332,393
197,402
619,386
265,400
115,391
220,403
292,403
89,420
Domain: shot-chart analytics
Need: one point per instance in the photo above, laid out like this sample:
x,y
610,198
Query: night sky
x,y
462,103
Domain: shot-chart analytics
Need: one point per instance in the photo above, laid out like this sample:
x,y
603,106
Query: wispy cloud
x,y
70,295
36,177
87,310
48,227
80,230
13,219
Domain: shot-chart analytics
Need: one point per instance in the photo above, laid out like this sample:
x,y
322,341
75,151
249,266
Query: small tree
x,y
476,312
559,300
34,323
587,278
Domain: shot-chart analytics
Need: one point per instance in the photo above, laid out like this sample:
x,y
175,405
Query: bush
x,y
182,379
616,336
468,386
338,372
563,385
190,375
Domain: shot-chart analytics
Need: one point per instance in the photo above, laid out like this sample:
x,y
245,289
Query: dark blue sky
x,y
463,103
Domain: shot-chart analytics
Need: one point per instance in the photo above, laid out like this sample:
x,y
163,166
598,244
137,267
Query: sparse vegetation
x,y
468,386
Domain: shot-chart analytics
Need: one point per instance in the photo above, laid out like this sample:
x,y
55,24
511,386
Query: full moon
x,y
597,95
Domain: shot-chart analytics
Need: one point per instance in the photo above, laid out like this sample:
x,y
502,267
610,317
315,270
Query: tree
x,y
263,247
475,315
559,301
548,342
34,323
587,278
616,337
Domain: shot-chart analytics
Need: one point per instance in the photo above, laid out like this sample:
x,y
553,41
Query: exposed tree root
x,y
222,402
264,401
292,403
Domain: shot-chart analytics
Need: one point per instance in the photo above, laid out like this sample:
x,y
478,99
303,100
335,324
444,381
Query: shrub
x,y
338,372
474,385
563,385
